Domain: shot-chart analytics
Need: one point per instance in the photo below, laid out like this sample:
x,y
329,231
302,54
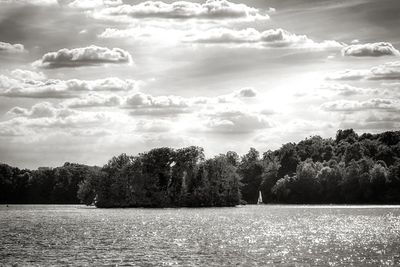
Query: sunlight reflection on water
x,y
249,235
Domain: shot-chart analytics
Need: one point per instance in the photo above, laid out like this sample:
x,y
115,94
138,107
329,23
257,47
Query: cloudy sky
x,y
84,80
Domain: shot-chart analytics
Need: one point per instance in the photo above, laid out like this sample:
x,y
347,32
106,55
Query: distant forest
x,y
349,169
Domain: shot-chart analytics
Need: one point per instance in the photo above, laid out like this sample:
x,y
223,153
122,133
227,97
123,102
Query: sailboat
x,y
259,201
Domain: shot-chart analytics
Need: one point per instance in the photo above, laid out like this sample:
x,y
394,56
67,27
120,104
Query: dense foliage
x,y
164,177
347,169
42,186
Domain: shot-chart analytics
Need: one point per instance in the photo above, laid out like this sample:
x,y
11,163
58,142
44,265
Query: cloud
x,y
391,84
251,37
165,32
91,4
11,48
30,2
143,104
347,90
387,71
27,75
235,121
113,84
246,92
83,56
370,50
154,126
47,115
348,75
373,122
94,100
353,105
235,97
183,10
39,110
30,88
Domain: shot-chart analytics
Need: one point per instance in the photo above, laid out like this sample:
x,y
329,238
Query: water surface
x,y
248,235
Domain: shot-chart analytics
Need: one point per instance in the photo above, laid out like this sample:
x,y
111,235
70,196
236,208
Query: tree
x,y
393,183
347,135
269,176
184,173
330,177
379,181
250,170
288,160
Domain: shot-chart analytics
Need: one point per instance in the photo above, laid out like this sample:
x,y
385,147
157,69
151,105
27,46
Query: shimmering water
x,y
249,236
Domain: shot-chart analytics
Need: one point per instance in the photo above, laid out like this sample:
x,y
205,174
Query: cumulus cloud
x,y
108,84
153,114
183,10
144,104
47,115
370,50
83,56
154,126
235,121
348,75
39,110
164,32
387,71
27,75
235,97
11,48
347,90
31,88
246,92
30,2
374,121
344,89
353,105
252,37
90,4
94,100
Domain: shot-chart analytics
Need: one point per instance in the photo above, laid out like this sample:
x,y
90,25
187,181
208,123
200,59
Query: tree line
x,y
347,169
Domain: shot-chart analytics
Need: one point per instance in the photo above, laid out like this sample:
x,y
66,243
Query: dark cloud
x,y
83,56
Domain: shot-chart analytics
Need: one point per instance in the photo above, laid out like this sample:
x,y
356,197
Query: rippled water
x,y
249,235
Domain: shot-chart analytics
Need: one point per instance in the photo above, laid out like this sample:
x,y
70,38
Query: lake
x,y
246,236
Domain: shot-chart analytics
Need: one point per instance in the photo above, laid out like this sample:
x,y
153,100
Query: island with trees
x,y
347,169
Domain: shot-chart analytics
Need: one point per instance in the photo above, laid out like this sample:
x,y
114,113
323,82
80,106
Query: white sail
x,y
260,201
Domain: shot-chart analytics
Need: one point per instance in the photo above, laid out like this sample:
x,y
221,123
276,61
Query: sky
x,y
84,80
